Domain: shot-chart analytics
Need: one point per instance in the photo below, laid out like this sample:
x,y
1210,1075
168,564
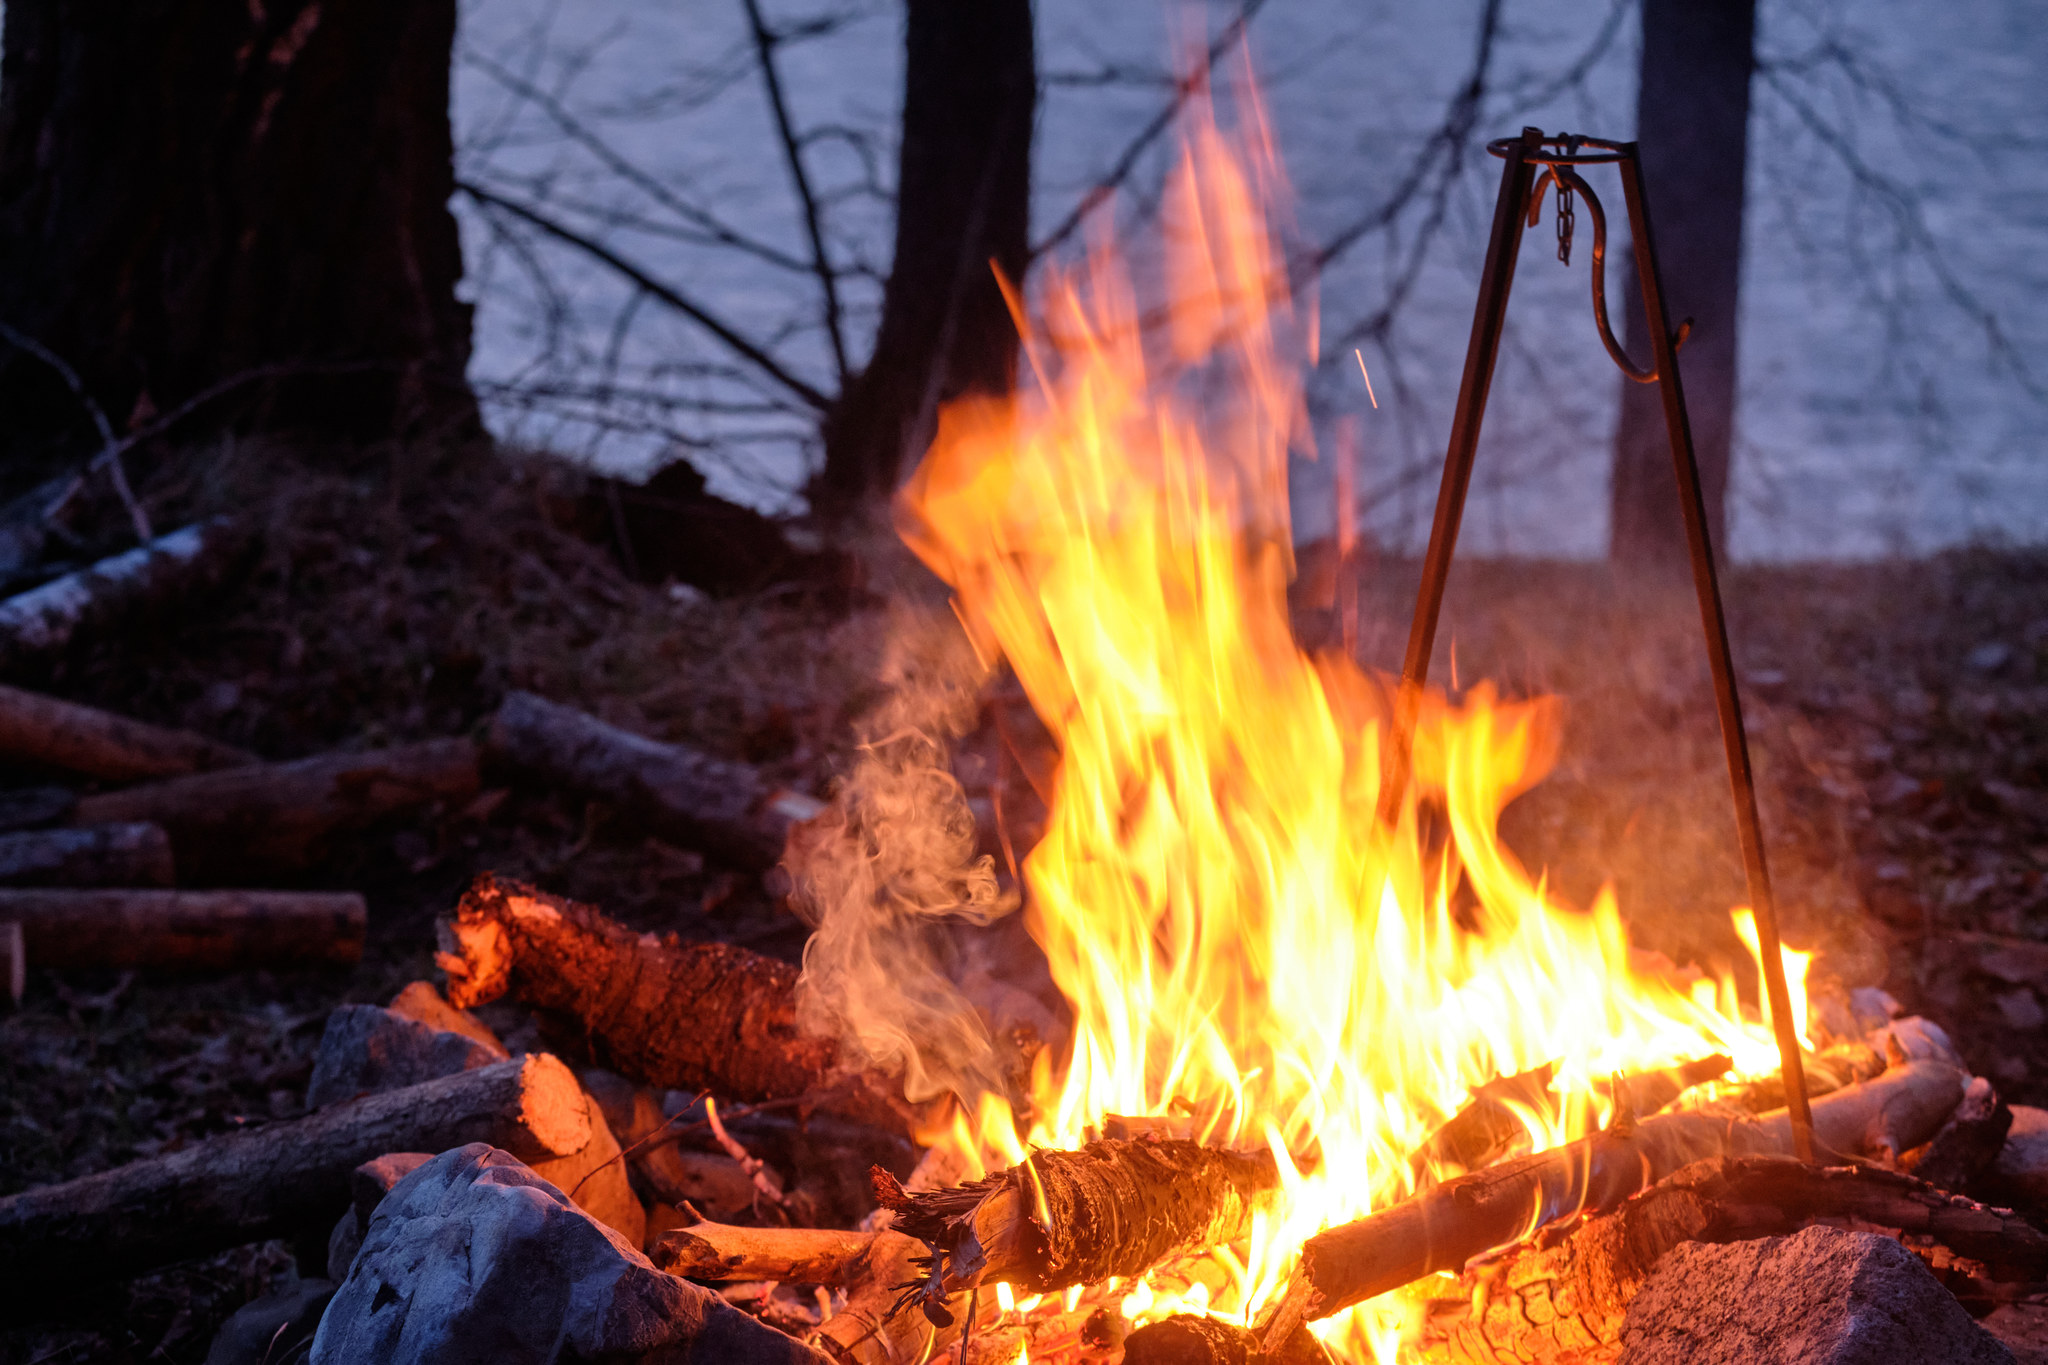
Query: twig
x,y
765,41
746,349
754,1167
110,448
667,1129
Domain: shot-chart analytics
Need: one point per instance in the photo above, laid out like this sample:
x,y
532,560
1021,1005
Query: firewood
x,y
718,1251
88,855
874,1328
701,801
240,822
1115,1207
276,1180
187,930
13,961
1185,1339
674,1015
1549,1302
1460,1219
44,620
84,739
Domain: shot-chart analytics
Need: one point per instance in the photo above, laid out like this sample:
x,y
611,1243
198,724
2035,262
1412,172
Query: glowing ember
x,y
1242,942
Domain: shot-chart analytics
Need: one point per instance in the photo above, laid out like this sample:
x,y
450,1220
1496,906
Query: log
x,y
272,1181
1549,1303
88,855
201,931
43,620
700,801
1115,1207
873,1329
241,822
36,807
84,739
673,1015
1462,1218
1185,1339
719,1251
13,961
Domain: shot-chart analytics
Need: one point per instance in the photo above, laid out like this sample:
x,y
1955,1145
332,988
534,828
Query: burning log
x,y
1185,1339
84,739
276,1180
1116,1207
199,931
89,855
681,1016
872,1329
274,816
703,801
717,1251
43,620
1462,1218
1551,1303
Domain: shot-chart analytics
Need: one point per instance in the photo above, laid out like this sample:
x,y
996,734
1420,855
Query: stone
x,y
367,1049
1821,1296
475,1260
268,1330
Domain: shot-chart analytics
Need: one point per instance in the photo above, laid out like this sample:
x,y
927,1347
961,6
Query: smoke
x,y
890,869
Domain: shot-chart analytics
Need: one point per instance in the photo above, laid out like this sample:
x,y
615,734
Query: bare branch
x,y
760,359
110,448
792,151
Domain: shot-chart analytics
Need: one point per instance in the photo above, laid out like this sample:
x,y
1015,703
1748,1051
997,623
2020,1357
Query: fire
x,y
1243,943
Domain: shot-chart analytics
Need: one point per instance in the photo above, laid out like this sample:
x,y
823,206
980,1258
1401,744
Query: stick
x,y
1551,1303
673,1015
718,1251
703,801
231,824
94,855
44,620
1462,1218
1116,1207
84,739
188,930
274,1180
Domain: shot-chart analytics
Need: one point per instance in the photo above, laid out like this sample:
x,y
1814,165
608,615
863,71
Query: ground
x,y
1900,713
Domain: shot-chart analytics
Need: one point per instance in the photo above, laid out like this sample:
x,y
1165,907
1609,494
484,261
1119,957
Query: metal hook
x,y
1567,179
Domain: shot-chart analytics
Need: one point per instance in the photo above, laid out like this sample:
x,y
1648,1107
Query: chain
x,y
1564,222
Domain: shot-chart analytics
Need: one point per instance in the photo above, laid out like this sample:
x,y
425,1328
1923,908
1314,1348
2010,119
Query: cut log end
x,y
552,1106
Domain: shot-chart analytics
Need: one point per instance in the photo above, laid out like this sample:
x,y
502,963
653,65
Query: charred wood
x,y
1115,1207
702,801
187,930
683,1016
90,855
1968,1145
1462,1218
84,739
230,825
1551,1302
718,1251
273,1181
1185,1339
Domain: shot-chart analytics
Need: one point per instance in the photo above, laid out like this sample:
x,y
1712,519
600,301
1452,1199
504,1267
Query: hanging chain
x,y
1564,222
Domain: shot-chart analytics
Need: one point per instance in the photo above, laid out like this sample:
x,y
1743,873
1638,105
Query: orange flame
x,y
1240,939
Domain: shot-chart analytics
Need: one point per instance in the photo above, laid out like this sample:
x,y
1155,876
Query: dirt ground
x,y
1899,710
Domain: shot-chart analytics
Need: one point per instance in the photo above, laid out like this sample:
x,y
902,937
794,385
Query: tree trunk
x,y
1692,123
963,195
191,191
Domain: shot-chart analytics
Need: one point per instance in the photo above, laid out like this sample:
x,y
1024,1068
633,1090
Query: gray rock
x,y
475,1260
1819,1297
272,1329
368,1049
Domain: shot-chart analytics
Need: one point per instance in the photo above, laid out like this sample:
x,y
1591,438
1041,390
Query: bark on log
x,y
188,930
13,961
276,1180
1115,1207
680,1016
90,855
1552,1303
84,739
43,620
718,1251
699,800
1462,1218
238,823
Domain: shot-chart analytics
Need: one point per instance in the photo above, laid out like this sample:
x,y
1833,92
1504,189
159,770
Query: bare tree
x,y
1692,122
192,192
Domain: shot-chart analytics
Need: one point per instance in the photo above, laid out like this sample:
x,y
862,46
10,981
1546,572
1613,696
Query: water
x,y
1876,414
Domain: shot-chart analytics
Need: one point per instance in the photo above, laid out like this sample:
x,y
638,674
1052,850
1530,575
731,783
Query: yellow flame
x,y
1240,938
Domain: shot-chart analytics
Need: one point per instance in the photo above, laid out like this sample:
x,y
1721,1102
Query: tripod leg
x,y
1707,586
1495,280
